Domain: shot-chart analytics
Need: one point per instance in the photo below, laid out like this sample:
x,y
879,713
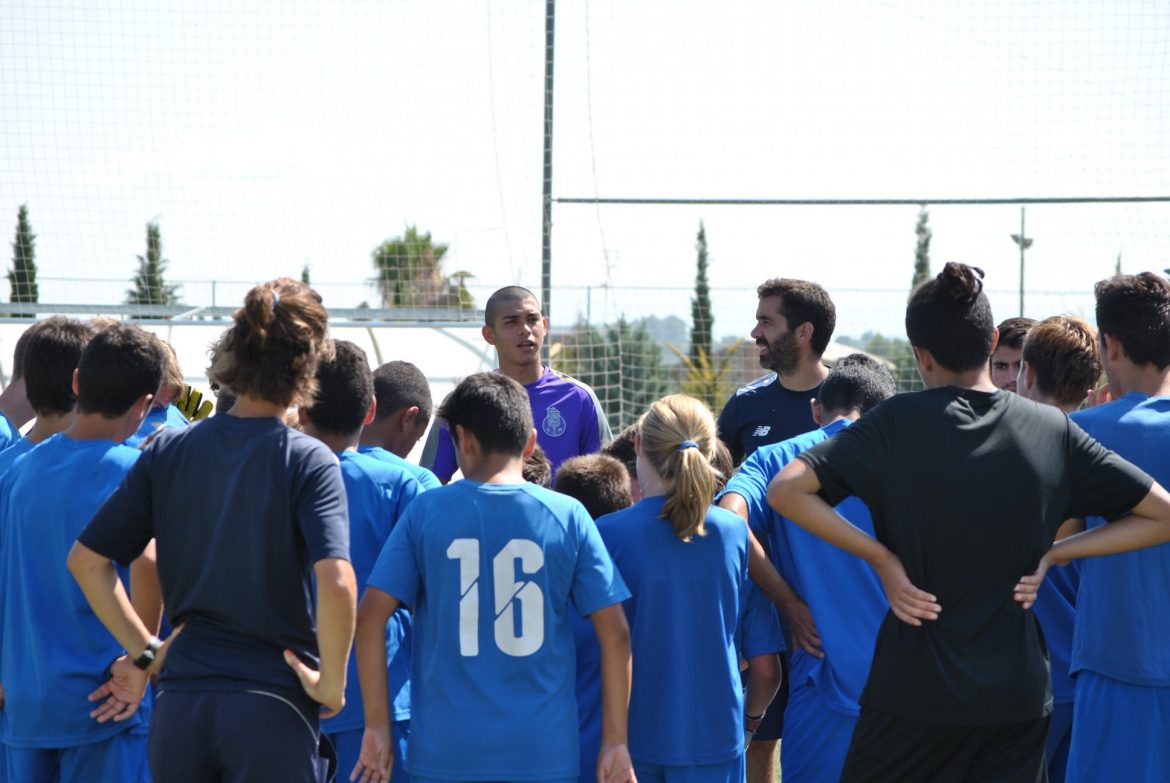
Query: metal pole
x,y
1023,245
546,205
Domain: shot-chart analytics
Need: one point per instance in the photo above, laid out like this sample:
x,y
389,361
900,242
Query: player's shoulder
x,y
728,523
760,385
561,380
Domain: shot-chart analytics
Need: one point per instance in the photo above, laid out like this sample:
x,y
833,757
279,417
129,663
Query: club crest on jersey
x,y
761,431
554,423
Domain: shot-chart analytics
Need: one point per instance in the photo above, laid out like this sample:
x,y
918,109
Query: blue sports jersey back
x,y
53,649
489,571
1123,618
377,493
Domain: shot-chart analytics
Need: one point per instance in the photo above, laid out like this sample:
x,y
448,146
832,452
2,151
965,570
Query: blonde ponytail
x,y
678,438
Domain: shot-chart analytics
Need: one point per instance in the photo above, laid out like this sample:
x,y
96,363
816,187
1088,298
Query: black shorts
x,y
900,750
236,737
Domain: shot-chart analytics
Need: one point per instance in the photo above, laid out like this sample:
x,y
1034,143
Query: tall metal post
x,y
546,202
1024,242
1023,246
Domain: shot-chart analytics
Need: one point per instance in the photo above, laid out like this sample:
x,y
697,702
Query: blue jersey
x,y
758,630
53,648
425,478
9,433
843,593
1056,611
9,455
489,571
1123,615
682,614
569,422
378,493
157,419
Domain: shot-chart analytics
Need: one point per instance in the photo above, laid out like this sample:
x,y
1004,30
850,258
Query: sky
x,y
269,136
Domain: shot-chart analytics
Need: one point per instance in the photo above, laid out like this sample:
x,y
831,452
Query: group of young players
x,y
895,604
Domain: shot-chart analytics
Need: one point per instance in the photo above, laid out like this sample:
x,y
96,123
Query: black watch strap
x,y
144,660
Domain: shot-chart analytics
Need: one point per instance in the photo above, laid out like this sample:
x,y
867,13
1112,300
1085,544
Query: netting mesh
x,y
171,155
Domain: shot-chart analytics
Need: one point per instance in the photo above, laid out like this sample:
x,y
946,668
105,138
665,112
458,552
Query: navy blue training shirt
x,y
241,509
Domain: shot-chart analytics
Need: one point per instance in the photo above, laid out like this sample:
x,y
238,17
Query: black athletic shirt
x,y
968,488
764,412
241,509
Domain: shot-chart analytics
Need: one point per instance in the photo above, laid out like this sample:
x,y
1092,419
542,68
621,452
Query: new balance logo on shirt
x,y
761,431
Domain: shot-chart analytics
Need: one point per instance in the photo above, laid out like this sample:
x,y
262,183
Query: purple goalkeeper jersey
x,y
568,417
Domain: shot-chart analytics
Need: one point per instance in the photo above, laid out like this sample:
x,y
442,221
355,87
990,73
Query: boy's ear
x,y
370,413
530,446
489,335
140,408
994,340
303,416
76,388
818,411
464,441
408,418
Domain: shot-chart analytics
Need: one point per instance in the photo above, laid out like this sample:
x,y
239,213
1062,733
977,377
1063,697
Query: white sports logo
x,y
761,431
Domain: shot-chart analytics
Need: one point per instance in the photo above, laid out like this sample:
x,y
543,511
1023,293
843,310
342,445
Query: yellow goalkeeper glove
x,y
192,405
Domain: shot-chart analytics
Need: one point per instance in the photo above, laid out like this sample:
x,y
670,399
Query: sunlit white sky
x,y
266,136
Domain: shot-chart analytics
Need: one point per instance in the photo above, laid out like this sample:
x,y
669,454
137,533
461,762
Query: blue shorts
x,y
817,738
1059,741
728,772
119,759
348,745
236,737
1119,731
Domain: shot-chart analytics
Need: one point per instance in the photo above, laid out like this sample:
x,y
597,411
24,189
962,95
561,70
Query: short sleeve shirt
x,y
932,467
490,572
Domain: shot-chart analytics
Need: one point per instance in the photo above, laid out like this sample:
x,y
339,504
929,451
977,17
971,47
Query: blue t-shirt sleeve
x,y
759,626
124,523
445,464
397,571
596,581
751,483
322,508
1103,484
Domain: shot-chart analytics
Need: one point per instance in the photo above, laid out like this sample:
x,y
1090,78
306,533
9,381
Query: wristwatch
x,y
144,660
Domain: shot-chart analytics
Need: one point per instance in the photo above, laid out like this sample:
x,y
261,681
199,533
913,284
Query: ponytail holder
x,y
687,444
275,298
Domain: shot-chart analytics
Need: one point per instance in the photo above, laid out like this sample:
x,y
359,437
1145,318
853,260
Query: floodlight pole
x,y
546,201
1024,243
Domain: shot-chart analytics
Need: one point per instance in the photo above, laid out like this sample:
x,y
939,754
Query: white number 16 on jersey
x,y
527,595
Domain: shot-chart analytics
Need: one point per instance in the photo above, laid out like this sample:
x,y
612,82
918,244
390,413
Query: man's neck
x,y
978,379
524,374
47,426
809,374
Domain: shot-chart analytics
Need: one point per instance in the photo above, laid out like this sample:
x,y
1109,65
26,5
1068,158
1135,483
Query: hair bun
x,y
963,283
260,309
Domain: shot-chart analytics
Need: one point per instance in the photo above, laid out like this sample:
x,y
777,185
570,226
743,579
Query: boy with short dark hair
x,y
53,348
601,484
842,593
599,481
377,494
1059,365
52,648
1005,359
567,414
489,566
403,413
15,410
1121,641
